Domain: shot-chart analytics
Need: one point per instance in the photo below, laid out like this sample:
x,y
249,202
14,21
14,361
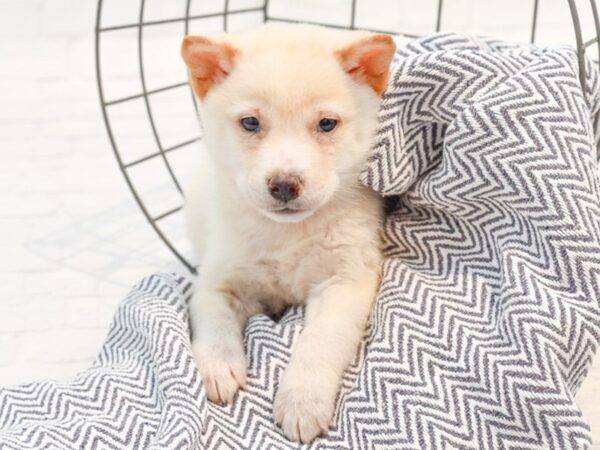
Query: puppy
x,y
276,210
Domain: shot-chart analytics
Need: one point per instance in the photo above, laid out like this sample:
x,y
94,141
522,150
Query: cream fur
x,y
253,259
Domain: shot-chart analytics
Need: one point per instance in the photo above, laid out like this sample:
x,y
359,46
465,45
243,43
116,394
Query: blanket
x,y
488,313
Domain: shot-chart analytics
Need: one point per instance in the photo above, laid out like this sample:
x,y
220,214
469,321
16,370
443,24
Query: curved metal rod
x,y
353,15
186,31
225,15
534,21
113,144
579,42
596,26
147,100
150,23
438,22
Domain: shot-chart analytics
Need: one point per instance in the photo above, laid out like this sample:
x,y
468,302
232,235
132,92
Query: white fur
x,y
255,260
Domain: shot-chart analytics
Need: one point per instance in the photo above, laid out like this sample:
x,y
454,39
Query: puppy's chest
x,y
283,276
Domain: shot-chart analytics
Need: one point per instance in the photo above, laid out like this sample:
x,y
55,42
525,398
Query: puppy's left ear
x,y
209,62
368,60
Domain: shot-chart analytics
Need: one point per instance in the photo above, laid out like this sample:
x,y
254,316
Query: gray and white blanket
x,y
488,315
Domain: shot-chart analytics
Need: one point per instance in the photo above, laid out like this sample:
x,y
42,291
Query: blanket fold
x,y
488,314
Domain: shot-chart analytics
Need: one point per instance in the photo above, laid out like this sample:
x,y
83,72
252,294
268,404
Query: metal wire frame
x,y
162,152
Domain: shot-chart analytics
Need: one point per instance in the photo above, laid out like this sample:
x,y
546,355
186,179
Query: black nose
x,y
284,188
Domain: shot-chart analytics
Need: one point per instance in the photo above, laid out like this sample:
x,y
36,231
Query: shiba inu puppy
x,y
276,210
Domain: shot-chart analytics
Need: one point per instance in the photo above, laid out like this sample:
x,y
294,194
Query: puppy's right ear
x,y
368,60
209,62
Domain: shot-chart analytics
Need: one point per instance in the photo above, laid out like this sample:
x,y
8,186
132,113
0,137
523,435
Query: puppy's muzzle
x,y
284,187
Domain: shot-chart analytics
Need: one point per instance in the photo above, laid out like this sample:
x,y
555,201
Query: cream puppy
x,y
276,209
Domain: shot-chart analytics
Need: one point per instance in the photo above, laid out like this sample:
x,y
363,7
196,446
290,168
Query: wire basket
x,y
145,95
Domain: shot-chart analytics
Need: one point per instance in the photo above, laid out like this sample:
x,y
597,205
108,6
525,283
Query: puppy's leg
x,y
336,317
217,342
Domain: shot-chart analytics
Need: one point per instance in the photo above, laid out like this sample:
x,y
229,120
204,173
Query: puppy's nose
x,y
284,188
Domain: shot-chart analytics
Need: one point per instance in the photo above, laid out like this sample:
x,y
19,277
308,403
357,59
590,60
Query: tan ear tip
x,y
385,40
191,40
186,43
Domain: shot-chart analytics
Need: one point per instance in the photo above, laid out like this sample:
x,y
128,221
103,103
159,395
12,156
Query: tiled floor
x,y
72,240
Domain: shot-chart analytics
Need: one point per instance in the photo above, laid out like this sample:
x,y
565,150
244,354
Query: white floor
x,y
72,241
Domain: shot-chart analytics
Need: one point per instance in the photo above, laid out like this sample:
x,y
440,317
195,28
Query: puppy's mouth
x,y
287,214
287,211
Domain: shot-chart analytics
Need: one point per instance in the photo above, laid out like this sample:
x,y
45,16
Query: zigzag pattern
x,y
142,391
488,315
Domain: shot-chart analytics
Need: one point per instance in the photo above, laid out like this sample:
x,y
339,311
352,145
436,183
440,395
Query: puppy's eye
x,y
327,125
250,123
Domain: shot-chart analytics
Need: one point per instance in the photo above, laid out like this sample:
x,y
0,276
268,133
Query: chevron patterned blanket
x,y
488,314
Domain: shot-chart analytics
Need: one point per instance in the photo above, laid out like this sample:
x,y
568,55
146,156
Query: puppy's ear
x,y
368,60
209,62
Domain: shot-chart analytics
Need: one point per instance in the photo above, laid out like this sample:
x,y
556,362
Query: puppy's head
x,y
289,111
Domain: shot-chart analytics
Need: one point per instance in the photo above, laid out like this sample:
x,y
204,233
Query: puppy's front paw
x,y
223,370
302,411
